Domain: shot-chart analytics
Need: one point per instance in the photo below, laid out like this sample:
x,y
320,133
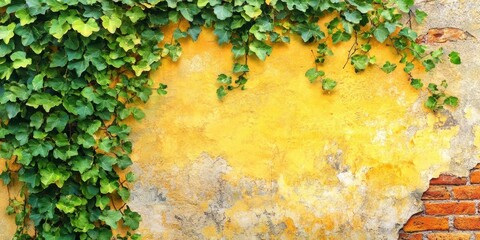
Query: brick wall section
x,y
451,210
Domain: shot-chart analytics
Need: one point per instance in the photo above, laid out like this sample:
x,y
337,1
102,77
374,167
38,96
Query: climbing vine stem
x,y
72,71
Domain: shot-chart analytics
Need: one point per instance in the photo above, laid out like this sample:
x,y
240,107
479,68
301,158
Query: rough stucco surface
x,y
283,160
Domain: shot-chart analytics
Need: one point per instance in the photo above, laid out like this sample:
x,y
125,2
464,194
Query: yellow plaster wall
x,y
282,159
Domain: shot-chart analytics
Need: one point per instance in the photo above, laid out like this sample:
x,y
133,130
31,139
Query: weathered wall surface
x,y
282,160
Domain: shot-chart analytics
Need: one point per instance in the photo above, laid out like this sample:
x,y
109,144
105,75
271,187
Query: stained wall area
x,y
283,160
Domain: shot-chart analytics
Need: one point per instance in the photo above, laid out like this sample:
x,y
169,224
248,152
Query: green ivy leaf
x,y
221,93
85,28
6,32
408,67
45,100
223,11
135,14
252,11
178,34
106,162
240,68
416,83
309,32
102,201
388,67
353,16
312,74
455,58
58,28
20,59
162,89
40,148
37,82
81,222
51,174
36,120
91,174
124,194
24,157
81,164
381,33
138,114
420,16
111,217
409,33
428,64
131,219
431,103
362,6
108,186
328,84
4,3
360,61
340,36
130,177
194,32
5,177
111,23
261,49
405,5
30,178
69,203
202,3
451,101
224,79
57,120
24,17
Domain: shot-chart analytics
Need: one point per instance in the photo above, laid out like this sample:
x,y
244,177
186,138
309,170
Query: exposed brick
x,y
436,193
445,179
467,223
450,208
466,192
421,223
449,236
475,177
410,236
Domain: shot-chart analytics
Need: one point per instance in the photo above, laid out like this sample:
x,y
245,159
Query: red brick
x,y
449,236
409,236
421,223
475,177
445,179
466,192
450,208
467,223
436,193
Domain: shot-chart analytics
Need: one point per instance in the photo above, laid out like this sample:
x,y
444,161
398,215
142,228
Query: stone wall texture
x,y
283,160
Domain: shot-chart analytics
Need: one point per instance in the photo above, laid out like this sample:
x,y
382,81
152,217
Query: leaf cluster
x,y
71,71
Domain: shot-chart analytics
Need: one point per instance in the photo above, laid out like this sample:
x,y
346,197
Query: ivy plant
x,y
72,71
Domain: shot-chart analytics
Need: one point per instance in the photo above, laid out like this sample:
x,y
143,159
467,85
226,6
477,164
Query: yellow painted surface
x,y
283,159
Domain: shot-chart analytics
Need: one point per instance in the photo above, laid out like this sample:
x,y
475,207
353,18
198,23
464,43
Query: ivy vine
x,y
71,71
